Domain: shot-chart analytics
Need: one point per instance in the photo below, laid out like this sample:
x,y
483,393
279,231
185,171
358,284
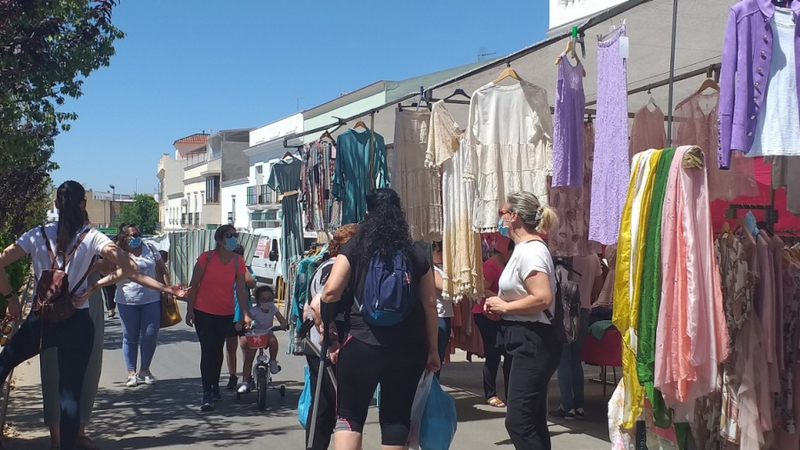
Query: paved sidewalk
x,y
167,416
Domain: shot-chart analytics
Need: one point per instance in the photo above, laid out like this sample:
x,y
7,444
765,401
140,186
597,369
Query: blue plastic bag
x,y
304,405
438,422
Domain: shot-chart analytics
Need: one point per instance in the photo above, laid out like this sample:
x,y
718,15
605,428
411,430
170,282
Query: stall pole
x,y
672,69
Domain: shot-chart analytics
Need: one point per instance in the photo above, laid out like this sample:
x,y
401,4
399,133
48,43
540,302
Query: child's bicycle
x,y
261,373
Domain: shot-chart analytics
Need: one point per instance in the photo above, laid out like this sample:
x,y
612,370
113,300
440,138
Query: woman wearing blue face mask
x,y
139,306
210,306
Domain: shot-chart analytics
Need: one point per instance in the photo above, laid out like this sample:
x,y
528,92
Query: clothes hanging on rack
x,y
568,140
417,185
606,297
510,140
572,206
461,245
784,173
359,168
648,130
285,180
746,74
318,161
697,123
612,162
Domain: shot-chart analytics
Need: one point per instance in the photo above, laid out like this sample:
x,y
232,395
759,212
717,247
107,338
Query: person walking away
x,y
109,293
444,308
73,246
140,306
375,352
489,326
210,307
264,314
236,332
326,415
570,369
524,303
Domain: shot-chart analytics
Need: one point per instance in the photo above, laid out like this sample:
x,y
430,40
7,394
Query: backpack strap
x,y
84,277
68,256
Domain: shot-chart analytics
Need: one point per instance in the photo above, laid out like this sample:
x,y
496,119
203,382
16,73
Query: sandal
x,y
84,443
496,402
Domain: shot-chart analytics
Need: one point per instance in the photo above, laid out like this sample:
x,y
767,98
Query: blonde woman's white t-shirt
x,y
527,258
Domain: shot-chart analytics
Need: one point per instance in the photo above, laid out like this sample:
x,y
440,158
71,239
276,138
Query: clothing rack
x,y
770,213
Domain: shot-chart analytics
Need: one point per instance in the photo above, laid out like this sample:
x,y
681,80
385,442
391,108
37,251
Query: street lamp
x,y
111,205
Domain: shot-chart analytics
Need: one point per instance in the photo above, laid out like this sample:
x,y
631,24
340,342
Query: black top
x,y
411,331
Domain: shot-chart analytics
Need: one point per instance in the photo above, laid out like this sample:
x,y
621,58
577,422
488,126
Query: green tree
x,y
143,212
47,49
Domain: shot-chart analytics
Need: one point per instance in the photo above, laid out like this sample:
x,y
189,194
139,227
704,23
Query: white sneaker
x,y
244,388
148,378
133,381
274,367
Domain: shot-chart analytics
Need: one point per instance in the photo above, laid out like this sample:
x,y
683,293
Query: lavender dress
x,y
568,125
611,160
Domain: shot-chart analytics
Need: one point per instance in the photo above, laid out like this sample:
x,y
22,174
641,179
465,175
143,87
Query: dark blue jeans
x,y
74,340
445,326
570,369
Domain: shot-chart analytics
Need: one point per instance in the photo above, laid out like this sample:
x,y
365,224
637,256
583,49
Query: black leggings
x,y
109,293
361,367
212,330
74,339
493,350
536,352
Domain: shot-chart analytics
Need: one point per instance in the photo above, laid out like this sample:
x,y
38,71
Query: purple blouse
x,y
568,125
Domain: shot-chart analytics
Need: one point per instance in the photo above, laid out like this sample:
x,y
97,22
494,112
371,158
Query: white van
x,y
268,260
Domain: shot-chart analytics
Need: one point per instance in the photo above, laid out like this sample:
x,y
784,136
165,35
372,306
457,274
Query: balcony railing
x,y
197,218
261,195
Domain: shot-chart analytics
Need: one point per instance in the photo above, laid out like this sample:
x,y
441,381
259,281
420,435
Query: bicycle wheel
x,y
262,388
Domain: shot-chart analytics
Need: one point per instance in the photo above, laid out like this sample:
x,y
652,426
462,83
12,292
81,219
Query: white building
x,y
566,13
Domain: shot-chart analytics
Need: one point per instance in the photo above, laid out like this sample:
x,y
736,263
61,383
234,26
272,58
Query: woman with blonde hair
x,y
525,305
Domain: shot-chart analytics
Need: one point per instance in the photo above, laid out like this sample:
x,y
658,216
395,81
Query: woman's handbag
x,y
170,314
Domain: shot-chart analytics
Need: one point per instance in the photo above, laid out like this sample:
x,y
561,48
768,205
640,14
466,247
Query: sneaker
x,y
215,394
580,413
244,388
233,381
560,413
208,404
274,367
147,378
133,381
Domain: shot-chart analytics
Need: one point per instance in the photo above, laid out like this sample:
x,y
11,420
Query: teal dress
x,y
285,180
351,176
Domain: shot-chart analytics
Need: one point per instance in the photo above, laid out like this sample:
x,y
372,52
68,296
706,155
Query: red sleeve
x,y
491,273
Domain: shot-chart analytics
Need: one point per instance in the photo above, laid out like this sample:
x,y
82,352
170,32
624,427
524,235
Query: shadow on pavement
x,y
164,416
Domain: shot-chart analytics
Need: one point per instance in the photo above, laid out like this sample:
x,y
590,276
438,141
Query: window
x,y
251,195
232,215
259,169
212,189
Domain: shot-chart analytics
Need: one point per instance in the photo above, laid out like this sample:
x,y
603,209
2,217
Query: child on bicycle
x,y
264,314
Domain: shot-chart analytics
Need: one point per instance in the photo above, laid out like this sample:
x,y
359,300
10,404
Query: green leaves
x,y
143,212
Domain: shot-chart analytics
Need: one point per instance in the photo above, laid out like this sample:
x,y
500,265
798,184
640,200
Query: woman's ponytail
x,y
71,216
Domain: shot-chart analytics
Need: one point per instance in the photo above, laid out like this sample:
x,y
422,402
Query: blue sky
x,y
193,65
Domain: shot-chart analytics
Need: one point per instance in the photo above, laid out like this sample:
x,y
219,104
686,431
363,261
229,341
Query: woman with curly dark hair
x,y
379,265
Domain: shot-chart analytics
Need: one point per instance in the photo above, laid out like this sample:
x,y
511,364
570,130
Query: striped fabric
x,y
186,246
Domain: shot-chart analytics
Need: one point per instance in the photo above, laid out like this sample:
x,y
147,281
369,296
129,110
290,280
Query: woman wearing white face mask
x,y
140,306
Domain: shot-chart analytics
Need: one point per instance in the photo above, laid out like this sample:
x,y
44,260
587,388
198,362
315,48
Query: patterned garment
x,y
572,206
318,164
784,404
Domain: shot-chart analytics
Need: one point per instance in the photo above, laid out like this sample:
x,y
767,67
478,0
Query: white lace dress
x,y
510,137
462,261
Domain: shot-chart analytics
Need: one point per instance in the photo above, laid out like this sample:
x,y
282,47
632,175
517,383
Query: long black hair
x,y
384,229
71,216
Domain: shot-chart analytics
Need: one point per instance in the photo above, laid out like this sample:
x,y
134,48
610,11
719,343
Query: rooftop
x,y
197,138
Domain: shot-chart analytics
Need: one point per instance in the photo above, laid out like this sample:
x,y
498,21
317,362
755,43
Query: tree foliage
x,y
47,49
143,212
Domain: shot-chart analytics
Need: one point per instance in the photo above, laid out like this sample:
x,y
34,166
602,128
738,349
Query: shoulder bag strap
x,y
52,254
68,256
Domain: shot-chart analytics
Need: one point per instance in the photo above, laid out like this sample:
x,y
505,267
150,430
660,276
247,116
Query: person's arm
x,y
151,283
241,295
197,275
338,281
10,255
282,321
539,298
126,268
249,281
162,267
427,291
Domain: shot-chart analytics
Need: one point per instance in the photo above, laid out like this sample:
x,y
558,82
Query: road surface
x,y
167,416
